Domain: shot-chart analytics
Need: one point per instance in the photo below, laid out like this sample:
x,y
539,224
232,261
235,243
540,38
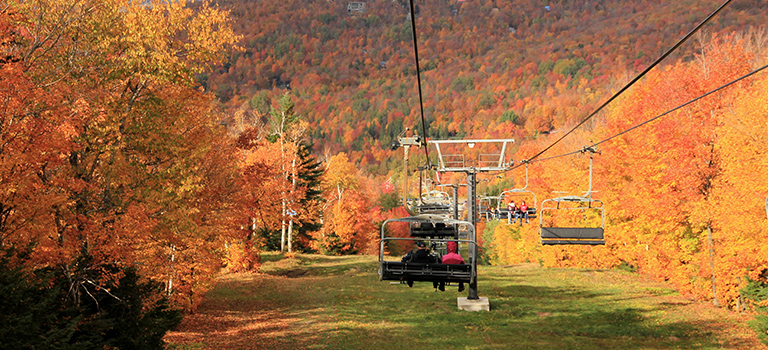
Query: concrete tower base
x,y
474,305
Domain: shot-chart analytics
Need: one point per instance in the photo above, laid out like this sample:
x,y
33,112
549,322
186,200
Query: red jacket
x,y
452,257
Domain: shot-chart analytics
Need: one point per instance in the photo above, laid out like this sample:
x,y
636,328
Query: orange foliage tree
x,y
682,198
134,169
348,227
35,132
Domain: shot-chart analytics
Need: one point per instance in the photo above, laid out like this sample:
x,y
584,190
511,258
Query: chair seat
x,y
572,235
408,271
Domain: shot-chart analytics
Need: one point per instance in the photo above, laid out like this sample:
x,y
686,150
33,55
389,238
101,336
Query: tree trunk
x,y
290,235
285,176
293,190
712,264
169,287
282,229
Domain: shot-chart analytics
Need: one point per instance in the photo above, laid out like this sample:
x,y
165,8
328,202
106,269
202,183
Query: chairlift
x,y
433,226
556,235
453,202
484,208
435,196
518,192
432,201
406,142
438,230
435,229
435,202
429,272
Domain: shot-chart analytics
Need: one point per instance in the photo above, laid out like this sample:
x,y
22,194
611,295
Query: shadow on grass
x,y
348,308
522,317
303,269
302,265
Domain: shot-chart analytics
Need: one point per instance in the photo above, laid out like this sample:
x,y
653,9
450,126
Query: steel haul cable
x,y
628,85
418,80
718,89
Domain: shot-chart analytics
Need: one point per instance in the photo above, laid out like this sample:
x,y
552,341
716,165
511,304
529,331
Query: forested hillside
x,y
490,68
147,146
680,192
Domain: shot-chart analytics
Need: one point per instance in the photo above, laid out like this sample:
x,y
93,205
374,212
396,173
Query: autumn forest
x,y
147,146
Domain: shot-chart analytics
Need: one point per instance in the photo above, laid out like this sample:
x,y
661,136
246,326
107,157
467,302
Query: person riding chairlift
x,y
420,255
511,211
523,213
452,258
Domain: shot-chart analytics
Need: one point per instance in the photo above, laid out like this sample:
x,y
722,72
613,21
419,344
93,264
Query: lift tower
x,y
453,156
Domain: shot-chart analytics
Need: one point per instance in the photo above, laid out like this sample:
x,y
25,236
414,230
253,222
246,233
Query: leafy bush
x,y
361,105
486,100
569,67
510,116
546,66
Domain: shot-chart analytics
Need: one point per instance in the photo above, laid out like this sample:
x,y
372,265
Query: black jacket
x,y
419,256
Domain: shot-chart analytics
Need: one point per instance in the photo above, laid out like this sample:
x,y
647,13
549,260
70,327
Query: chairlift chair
x,y
433,226
435,202
557,235
532,207
484,209
532,211
428,272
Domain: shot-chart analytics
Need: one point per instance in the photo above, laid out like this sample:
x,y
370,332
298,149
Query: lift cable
x,y
595,144
684,104
654,64
418,79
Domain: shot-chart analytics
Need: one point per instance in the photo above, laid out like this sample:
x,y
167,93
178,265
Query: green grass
x,y
321,302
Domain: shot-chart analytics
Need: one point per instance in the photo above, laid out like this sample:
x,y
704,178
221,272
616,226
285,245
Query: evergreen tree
x,y
757,292
31,310
122,317
37,311
310,171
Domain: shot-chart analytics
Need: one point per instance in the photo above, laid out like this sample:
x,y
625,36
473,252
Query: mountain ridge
x,y
489,68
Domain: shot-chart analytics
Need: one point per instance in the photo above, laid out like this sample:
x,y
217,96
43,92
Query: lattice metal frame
x,y
486,162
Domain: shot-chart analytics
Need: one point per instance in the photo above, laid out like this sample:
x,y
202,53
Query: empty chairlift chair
x,y
579,235
556,235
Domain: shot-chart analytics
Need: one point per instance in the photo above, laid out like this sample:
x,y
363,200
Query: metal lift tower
x,y
450,160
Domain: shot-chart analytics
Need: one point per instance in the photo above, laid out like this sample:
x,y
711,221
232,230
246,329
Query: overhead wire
x,y
713,91
684,104
633,81
418,80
